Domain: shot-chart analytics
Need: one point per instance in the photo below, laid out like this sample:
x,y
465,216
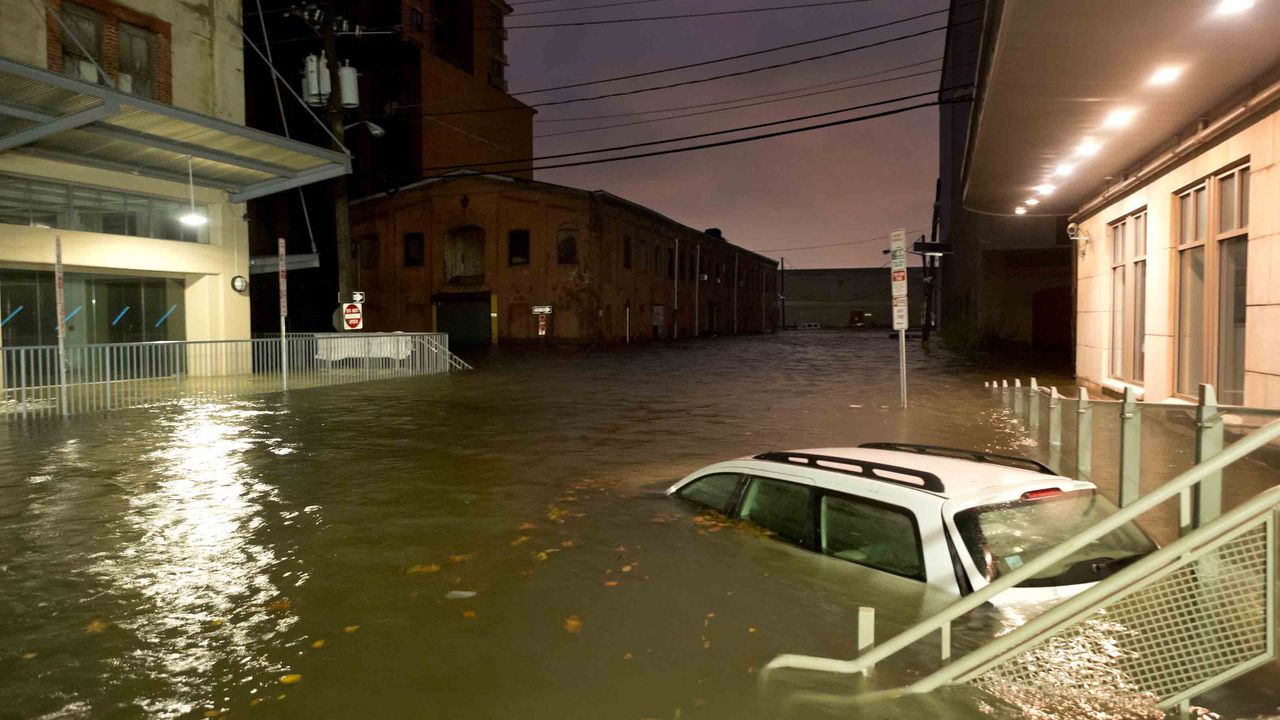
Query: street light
x,y
375,130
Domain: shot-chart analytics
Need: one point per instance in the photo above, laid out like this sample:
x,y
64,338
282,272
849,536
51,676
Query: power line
x,y
735,107
864,241
697,136
740,56
686,16
609,116
735,141
722,76
580,7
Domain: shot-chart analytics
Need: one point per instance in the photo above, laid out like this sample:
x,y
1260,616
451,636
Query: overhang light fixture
x,y
1088,147
1064,169
1019,210
1233,7
192,218
1031,202
1045,189
1119,117
1165,75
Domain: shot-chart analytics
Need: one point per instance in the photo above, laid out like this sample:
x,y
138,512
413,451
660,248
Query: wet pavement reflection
x,y
488,544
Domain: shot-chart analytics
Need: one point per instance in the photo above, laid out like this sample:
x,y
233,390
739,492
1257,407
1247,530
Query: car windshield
x,y
1003,537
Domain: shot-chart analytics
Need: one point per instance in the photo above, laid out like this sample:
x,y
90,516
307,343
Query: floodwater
x,y
481,545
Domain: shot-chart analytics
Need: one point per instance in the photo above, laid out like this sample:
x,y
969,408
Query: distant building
x,y
1009,280
475,255
849,297
1161,148
117,119
436,86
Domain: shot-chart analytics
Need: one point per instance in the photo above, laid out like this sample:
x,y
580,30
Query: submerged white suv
x,y
955,519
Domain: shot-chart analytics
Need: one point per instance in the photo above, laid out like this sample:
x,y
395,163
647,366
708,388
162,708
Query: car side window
x,y
871,534
781,507
715,491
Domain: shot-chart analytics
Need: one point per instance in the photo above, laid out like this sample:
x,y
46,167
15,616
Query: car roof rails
x,y
908,477
1012,461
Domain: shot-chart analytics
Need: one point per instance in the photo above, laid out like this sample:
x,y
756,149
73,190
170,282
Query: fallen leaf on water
x,y
212,713
280,604
459,594
317,644
627,656
350,629
620,549
519,540
659,519
573,624
541,555
611,583
28,656
469,614
711,615
461,558
527,526
424,569
751,629
216,622
95,626
626,568
281,696
290,679
556,514
566,543
254,702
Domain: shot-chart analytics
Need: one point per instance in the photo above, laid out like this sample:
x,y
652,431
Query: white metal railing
x,y
121,375
1212,563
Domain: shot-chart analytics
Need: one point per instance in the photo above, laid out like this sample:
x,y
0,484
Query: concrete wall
x,y
590,299
208,67
1257,143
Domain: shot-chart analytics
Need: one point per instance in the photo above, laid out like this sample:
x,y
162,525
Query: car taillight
x,y
1037,494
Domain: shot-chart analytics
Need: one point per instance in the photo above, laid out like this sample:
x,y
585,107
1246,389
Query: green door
x,y
466,320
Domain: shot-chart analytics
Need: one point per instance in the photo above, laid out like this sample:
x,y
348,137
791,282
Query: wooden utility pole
x,y
341,215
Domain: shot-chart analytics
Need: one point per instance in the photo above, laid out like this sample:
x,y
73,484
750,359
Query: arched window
x,y
567,246
464,256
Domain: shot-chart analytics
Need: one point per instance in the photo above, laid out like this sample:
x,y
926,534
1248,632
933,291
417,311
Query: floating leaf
x,y
254,702
527,526
212,713
280,604
290,679
461,558
541,555
317,644
216,622
611,583
573,624
424,569
626,568
620,549
95,627
566,543
469,614
751,629
711,615
281,696
459,594
29,656
627,656
520,540
350,629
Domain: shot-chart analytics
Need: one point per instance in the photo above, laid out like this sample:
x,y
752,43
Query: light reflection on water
x,y
217,544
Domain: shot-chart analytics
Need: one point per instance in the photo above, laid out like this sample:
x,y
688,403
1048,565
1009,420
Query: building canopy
x,y
49,115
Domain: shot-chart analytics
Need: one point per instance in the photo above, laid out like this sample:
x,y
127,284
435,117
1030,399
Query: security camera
x,y
1073,231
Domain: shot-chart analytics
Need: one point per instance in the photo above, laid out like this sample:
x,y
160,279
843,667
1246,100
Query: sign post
x,y
898,270
60,307
284,311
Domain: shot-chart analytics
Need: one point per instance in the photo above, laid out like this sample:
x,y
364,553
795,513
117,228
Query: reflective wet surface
x,y
489,544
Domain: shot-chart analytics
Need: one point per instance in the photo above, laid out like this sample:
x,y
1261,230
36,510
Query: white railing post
x,y
866,634
1084,436
1055,418
1130,447
1207,497
1017,396
1033,407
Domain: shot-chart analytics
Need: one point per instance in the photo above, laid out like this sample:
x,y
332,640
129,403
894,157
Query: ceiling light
x,y
1064,169
1165,76
1119,117
1045,189
193,219
1088,147
1231,7
1020,210
1031,201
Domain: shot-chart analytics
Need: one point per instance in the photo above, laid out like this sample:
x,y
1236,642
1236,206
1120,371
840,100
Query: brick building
x,y
473,255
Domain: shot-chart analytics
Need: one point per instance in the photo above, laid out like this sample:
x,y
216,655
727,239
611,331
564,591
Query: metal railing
x,y
1192,614
121,375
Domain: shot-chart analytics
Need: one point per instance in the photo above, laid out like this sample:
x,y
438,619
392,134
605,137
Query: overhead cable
x,y
685,16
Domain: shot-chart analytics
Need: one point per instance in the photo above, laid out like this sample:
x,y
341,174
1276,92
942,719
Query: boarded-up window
x,y
567,246
414,249
518,247
464,256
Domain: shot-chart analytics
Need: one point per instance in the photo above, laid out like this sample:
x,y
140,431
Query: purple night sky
x,y
827,186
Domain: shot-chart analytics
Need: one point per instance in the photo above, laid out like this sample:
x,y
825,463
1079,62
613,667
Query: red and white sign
x,y
353,316
542,325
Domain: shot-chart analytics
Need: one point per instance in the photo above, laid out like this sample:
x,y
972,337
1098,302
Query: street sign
x,y
357,297
353,316
898,281
541,309
542,324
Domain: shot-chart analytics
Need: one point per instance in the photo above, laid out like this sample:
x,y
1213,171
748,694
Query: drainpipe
x,y
697,283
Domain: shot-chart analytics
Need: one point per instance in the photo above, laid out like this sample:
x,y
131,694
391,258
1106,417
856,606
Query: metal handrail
x,y
942,620
1153,404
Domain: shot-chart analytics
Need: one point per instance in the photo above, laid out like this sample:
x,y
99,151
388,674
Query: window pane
x,y
714,491
1187,220
518,247
1117,243
1226,203
871,535
780,507
567,247
1190,320
1202,214
414,249
1139,320
1244,197
1233,271
1117,322
1140,235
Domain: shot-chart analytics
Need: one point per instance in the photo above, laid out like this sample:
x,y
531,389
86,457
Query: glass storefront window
x,y
1233,271
47,203
101,308
1190,320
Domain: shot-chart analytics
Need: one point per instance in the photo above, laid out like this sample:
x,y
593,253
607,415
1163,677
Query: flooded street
x,y
481,545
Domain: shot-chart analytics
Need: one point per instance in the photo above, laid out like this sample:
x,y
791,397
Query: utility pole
x,y
782,292
341,216
930,263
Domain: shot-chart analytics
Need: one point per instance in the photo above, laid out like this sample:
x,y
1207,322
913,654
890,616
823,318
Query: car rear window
x,y
1003,537
781,507
715,491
